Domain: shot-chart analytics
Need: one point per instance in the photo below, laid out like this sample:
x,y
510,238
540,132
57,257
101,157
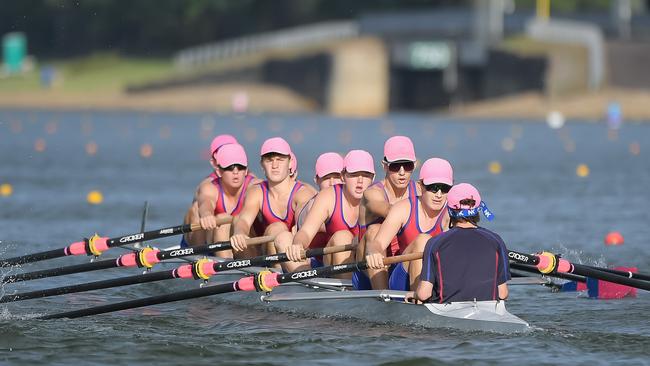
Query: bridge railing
x,y
310,35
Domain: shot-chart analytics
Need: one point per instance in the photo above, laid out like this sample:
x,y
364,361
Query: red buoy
x,y
614,238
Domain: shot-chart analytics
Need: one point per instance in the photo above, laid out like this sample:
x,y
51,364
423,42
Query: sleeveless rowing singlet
x,y
394,247
220,207
411,229
268,217
336,221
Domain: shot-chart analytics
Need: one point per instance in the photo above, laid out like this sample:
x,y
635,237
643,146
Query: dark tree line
x,y
61,28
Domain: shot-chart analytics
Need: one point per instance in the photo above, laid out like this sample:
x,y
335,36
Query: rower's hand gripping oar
x,y
96,244
549,263
143,258
262,281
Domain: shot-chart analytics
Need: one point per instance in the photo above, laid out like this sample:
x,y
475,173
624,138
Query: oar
x,y
146,257
143,222
629,274
262,281
548,263
96,244
185,271
532,269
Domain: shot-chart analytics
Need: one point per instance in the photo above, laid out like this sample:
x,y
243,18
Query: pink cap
x,y
329,163
359,161
461,192
230,154
275,145
399,148
437,170
221,140
293,166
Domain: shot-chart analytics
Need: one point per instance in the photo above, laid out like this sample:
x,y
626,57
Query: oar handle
x,y
260,240
336,249
220,221
402,258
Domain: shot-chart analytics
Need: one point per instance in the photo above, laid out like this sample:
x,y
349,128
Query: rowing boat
x,y
336,298
388,307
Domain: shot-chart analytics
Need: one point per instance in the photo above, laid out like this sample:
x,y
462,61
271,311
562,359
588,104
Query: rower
x,y
200,237
329,170
336,207
229,188
468,262
398,163
276,199
414,221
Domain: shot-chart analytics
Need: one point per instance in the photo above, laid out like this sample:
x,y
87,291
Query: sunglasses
x,y
232,167
435,187
407,165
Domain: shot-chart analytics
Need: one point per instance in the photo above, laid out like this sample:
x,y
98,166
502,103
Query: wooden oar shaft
x,y
403,258
333,249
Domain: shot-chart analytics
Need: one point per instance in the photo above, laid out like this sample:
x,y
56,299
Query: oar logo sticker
x,y
237,264
303,274
131,238
518,257
181,252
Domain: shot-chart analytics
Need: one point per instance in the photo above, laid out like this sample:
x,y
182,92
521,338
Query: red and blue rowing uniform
x,y
359,278
268,217
220,206
335,223
399,278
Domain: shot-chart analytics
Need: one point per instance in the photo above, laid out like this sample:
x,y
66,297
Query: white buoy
x,y
555,120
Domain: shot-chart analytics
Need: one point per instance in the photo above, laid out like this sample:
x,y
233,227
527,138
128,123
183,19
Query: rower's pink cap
x,y
275,145
221,140
399,148
461,192
359,161
230,154
293,166
437,170
329,163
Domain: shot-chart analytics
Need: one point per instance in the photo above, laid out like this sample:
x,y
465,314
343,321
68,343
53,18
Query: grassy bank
x,y
98,73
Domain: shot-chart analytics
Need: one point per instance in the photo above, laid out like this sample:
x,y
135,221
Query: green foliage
x,y
150,28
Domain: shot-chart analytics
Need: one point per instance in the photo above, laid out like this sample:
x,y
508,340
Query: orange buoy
x,y
614,238
146,150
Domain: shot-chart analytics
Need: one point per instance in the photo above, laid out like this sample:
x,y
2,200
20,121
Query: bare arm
x,y
243,222
376,248
375,202
424,291
207,198
318,214
503,291
396,217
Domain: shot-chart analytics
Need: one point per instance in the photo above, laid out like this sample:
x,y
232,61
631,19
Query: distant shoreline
x,y
256,98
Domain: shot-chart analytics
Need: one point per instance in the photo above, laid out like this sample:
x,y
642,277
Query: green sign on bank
x,y
14,50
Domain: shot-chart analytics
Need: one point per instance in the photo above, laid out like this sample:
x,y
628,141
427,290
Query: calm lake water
x,y
539,201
